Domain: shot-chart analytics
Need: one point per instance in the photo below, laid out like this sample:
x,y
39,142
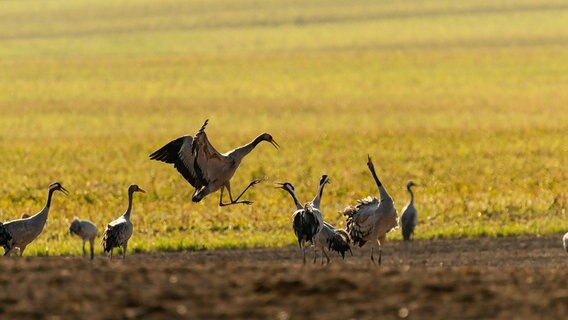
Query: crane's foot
x,y
247,202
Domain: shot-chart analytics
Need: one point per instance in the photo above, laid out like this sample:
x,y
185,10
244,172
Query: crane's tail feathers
x,y
5,237
110,239
353,229
339,242
355,233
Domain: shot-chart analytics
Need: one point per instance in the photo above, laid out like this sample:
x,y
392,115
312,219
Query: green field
x,y
467,98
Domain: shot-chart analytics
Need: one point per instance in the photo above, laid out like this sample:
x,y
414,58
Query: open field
x,y
467,98
501,278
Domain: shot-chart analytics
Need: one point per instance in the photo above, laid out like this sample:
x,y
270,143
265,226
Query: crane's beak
x,y
141,190
279,185
275,144
63,190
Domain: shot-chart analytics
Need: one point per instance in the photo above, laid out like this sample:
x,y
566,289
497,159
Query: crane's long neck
x,y
382,191
317,199
296,202
129,209
242,151
45,211
409,188
49,195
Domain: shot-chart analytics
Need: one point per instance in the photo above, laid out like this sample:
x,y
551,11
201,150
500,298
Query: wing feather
x,y
179,152
194,158
208,161
116,233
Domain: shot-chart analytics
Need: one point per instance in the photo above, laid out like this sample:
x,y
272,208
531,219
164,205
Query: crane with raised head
x,y
372,218
205,168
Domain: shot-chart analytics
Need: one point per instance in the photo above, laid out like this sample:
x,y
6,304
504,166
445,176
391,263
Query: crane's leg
x,y
324,254
111,254
92,245
304,254
84,251
372,258
7,251
315,254
236,201
124,251
380,242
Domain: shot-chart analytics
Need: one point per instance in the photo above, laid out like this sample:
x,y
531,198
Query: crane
x,y
371,218
87,231
409,216
24,231
119,231
204,167
309,226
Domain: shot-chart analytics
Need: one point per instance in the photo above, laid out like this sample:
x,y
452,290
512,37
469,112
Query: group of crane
x,y
17,234
208,170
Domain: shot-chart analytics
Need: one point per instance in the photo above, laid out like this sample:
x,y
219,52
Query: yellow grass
x,y
468,99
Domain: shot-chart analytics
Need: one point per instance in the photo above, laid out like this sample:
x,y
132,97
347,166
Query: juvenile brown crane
x,y
87,231
371,219
204,167
24,231
119,231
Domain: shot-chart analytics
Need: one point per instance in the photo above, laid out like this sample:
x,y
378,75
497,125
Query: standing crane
x,y
309,226
204,167
24,231
118,232
87,231
371,218
409,216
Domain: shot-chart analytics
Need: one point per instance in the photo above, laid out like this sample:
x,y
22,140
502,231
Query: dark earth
x,y
500,278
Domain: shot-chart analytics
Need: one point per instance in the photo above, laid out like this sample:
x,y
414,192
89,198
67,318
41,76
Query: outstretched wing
x,y
179,153
193,157
207,161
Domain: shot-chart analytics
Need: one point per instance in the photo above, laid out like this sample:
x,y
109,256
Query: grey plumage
x,y
119,231
371,219
204,167
409,217
24,231
87,231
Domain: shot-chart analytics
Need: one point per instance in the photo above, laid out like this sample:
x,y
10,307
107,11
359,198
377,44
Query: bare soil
x,y
503,278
